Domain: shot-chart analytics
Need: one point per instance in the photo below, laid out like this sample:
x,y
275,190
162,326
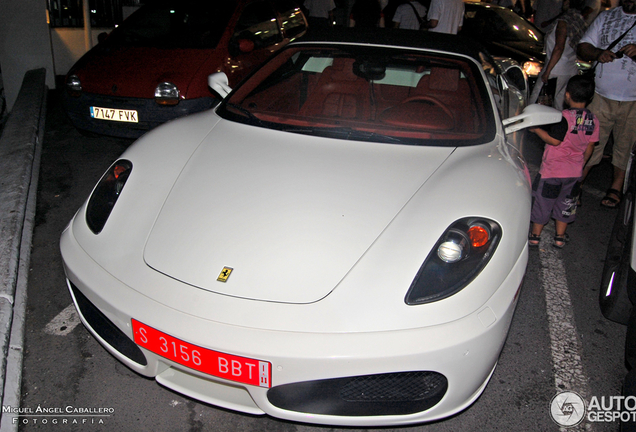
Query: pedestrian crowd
x,y
599,32
442,16
607,41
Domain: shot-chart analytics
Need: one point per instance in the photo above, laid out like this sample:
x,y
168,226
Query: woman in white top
x,y
560,45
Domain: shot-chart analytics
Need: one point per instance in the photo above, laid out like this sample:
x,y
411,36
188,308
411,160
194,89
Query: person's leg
x,y
544,196
624,138
564,210
601,108
559,238
535,234
559,93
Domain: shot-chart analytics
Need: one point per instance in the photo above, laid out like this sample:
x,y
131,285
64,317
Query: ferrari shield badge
x,y
225,274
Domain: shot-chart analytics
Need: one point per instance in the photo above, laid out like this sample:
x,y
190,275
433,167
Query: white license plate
x,y
120,115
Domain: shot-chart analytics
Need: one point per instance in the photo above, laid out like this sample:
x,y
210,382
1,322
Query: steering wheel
x,y
432,100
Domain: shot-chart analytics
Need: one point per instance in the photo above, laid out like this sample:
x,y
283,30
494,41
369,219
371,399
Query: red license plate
x,y
234,368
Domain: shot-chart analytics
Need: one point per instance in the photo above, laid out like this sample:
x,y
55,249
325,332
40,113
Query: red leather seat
x,y
339,93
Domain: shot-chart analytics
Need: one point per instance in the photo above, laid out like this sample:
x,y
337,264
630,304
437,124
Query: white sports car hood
x,y
290,214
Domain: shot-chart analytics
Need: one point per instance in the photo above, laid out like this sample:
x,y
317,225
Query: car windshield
x,y
500,24
175,24
368,94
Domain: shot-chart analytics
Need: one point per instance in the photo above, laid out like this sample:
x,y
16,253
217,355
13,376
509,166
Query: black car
x,y
504,33
617,293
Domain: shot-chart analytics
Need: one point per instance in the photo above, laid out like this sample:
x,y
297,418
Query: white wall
x,y
68,46
25,44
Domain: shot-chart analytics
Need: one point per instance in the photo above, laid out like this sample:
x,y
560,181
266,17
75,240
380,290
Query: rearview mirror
x,y
219,83
532,115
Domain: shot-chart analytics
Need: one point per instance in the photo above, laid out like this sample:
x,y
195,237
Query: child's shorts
x,y
554,197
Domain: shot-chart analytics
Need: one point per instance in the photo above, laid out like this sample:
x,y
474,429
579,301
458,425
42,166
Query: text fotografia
x,y
57,421
569,409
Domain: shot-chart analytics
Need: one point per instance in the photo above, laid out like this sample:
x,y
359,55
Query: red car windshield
x,y
175,24
368,94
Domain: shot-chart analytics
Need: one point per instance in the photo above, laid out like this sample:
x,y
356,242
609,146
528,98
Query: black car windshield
x,y
368,94
175,24
500,24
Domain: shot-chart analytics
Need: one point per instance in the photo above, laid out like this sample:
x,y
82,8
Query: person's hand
x,y
545,77
606,56
628,50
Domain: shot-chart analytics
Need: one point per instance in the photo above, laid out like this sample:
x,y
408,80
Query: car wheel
x,y
613,294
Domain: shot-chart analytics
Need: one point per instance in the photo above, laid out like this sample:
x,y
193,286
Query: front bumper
x,y
150,113
451,362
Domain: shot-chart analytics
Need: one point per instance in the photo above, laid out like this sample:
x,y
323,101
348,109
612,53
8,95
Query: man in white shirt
x,y
446,16
615,100
320,13
405,18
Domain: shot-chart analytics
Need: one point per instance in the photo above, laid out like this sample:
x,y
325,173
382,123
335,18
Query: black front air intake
x,y
106,329
398,393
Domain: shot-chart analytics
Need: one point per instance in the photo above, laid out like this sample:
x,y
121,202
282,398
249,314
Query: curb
x,y
20,149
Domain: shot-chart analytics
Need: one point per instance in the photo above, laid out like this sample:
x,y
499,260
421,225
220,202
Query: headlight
x,y
73,85
457,258
105,195
532,68
167,93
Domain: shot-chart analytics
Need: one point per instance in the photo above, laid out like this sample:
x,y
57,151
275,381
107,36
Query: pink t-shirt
x,y
567,159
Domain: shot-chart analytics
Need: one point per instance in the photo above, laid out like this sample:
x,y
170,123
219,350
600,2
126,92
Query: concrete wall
x,y
25,44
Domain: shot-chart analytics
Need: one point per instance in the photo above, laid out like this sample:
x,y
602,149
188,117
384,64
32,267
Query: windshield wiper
x,y
247,113
355,134
343,133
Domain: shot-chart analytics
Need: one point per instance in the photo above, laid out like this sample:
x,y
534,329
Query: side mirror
x,y
532,115
219,83
241,45
246,45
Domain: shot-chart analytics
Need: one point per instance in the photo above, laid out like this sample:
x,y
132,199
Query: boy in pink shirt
x,y
569,145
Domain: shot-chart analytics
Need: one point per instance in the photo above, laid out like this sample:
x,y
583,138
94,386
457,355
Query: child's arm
x,y
588,151
546,137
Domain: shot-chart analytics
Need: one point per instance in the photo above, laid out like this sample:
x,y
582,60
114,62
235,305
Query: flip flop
x,y
533,240
610,201
559,241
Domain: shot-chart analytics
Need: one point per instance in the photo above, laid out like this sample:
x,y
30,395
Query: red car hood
x,y
136,71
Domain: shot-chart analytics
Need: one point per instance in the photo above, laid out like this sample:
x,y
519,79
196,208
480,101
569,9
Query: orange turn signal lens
x,y
478,235
119,169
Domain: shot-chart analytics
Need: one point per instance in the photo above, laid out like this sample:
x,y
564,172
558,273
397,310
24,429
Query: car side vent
x,y
106,329
398,393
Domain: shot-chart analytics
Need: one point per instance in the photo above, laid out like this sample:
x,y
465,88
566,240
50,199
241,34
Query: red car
x,y
155,66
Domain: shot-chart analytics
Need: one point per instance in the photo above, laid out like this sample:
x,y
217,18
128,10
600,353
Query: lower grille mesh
x,y
395,387
399,393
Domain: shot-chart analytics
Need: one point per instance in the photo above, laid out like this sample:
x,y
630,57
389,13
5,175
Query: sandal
x,y
560,240
534,239
612,198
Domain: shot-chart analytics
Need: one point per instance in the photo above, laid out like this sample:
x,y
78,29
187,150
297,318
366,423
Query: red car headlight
x,y
458,257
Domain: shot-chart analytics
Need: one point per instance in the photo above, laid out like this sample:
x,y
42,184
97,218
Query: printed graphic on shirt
x,y
584,122
614,27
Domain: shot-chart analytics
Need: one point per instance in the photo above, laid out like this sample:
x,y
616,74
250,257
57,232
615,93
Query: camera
x,y
620,54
